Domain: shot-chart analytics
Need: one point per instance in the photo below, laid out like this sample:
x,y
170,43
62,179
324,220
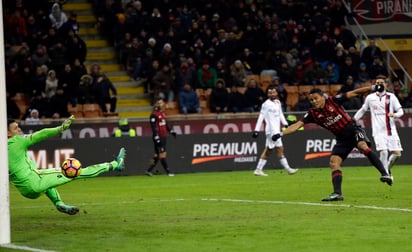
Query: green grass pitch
x,y
222,211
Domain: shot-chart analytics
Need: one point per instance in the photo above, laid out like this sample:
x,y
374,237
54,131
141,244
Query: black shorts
x,y
349,139
161,147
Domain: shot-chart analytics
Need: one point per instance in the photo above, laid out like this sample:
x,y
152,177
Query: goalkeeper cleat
x,y
149,173
333,197
388,179
70,210
120,160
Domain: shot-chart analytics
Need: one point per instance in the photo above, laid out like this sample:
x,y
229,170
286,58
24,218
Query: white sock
x,y
284,162
392,160
383,156
261,164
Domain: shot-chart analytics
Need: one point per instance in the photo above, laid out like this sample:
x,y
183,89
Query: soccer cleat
x,y
70,210
120,160
388,179
292,171
149,173
259,173
171,174
333,197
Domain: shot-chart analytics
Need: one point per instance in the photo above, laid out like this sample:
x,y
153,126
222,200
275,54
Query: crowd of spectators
x,y
44,61
206,44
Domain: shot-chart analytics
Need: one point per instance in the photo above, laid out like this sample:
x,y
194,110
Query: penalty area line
x,y
12,246
312,204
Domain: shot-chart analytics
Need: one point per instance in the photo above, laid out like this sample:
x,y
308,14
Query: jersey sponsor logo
x,y
238,151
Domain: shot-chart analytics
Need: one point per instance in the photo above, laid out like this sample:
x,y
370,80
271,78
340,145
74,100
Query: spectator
x,y
69,81
124,129
39,81
303,103
363,75
85,94
58,105
237,101
13,110
40,56
218,100
332,74
254,95
105,92
206,76
51,84
163,83
377,68
355,102
39,103
238,73
76,49
58,56
315,73
33,118
348,69
185,74
370,52
188,100
57,17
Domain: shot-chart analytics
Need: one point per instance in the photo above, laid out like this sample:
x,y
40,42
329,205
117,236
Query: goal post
x,y
5,236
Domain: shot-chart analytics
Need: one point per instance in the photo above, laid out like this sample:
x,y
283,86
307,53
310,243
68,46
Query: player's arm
x,y
358,115
43,134
289,130
153,120
358,91
398,111
259,122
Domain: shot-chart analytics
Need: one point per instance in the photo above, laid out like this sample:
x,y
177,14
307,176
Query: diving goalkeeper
x,y
33,182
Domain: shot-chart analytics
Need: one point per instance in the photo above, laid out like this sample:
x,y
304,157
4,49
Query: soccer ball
x,y
71,167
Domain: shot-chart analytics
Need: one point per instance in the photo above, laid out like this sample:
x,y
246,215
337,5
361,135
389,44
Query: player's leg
x,y
283,160
337,178
54,196
163,162
395,147
155,159
262,162
381,143
93,171
393,158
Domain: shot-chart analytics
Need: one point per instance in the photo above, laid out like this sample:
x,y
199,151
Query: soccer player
x,y
32,182
327,112
271,113
160,130
384,108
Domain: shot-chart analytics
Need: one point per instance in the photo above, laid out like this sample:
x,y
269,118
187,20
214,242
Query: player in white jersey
x,y
384,108
272,115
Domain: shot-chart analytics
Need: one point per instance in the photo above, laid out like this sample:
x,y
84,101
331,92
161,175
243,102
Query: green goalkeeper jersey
x,y
21,167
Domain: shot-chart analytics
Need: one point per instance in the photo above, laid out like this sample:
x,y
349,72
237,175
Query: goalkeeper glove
x,y
277,136
255,134
66,124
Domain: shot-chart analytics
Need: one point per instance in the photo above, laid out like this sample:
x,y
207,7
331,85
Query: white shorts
x,y
391,143
273,144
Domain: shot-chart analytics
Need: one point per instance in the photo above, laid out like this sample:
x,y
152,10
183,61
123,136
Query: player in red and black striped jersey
x,y
160,130
328,113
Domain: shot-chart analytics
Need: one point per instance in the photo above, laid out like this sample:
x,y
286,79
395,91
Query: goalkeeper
x,y
33,182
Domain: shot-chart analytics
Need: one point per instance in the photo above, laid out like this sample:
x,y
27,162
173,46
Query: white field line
x,y
277,202
12,246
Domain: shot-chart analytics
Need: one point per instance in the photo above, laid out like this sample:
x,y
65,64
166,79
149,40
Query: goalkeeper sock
x,y
337,181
